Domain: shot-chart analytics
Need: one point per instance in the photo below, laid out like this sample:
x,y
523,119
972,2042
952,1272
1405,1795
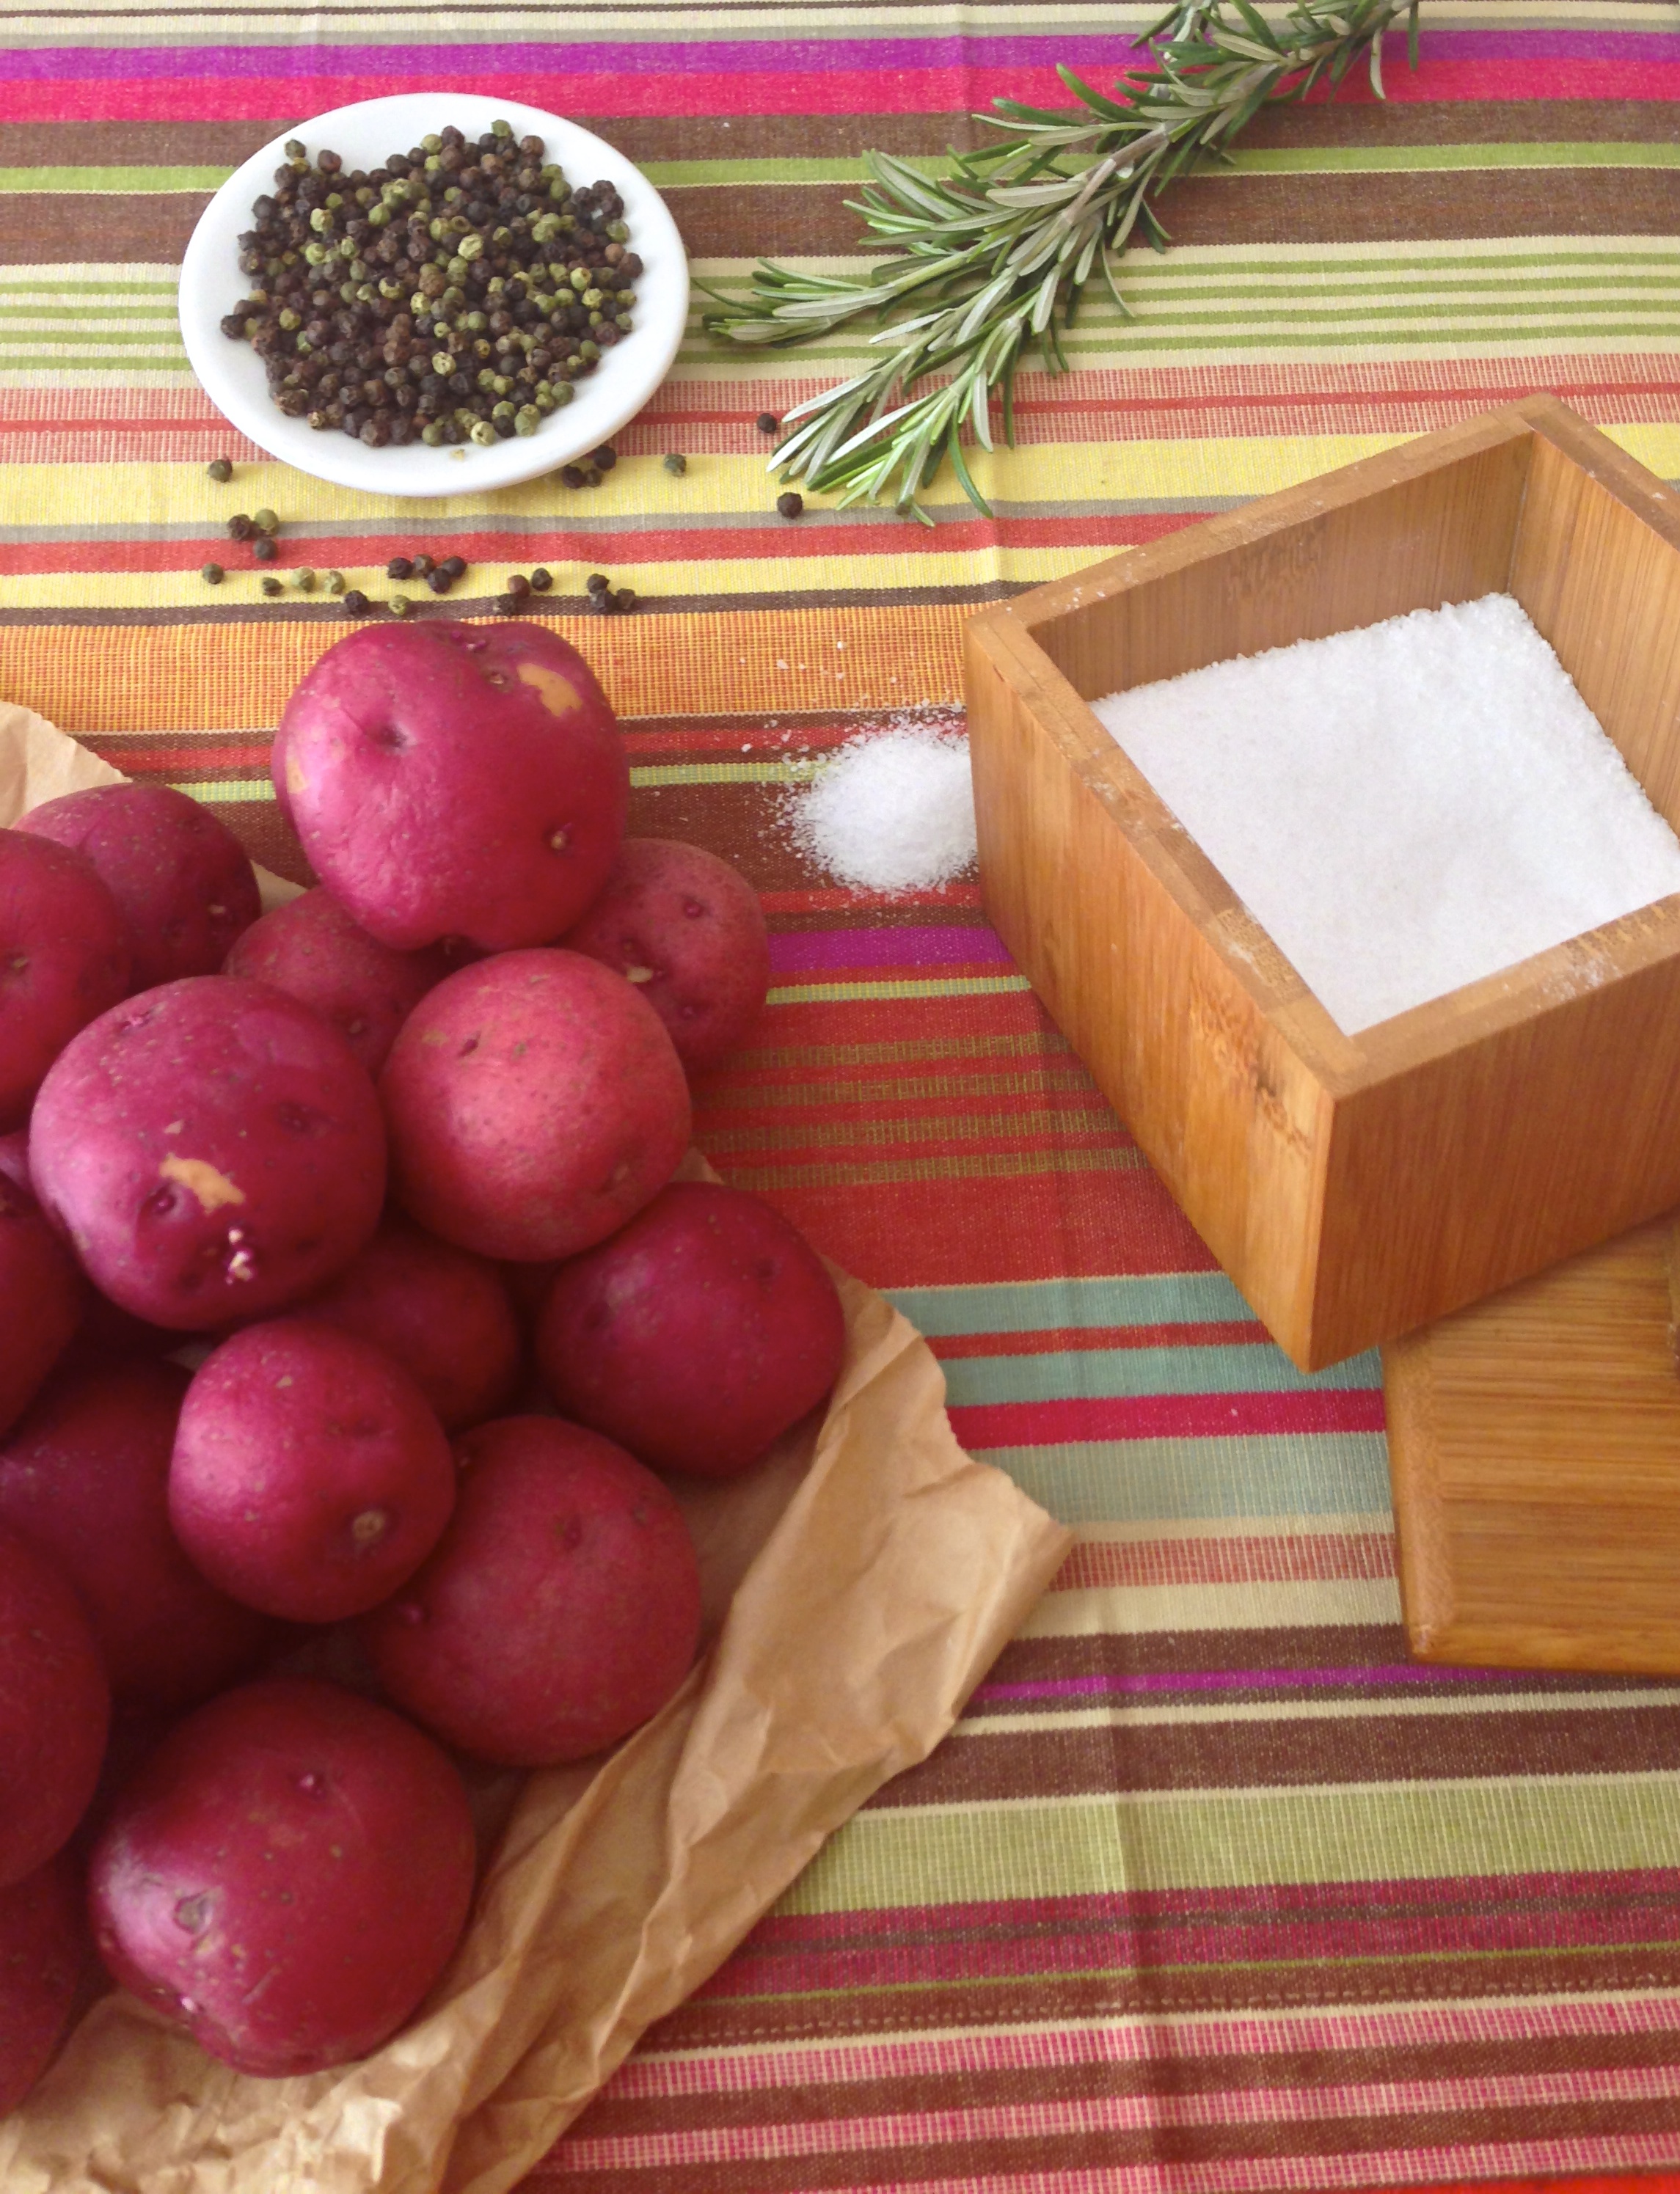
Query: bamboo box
x,y
1353,1186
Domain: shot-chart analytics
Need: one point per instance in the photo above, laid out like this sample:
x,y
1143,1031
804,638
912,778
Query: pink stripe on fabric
x,y
652,2077
1166,1416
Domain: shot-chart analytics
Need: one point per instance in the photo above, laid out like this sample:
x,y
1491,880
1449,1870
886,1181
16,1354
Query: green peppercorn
x,y
295,148
304,580
399,605
335,583
219,468
424,565
212,574
265,521
484,433
271,585
675,462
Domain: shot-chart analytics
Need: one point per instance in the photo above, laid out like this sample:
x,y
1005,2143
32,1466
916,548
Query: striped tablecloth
x,y
1212,1888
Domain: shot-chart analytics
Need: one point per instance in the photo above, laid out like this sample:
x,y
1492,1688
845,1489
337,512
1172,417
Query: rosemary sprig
x,y
994,257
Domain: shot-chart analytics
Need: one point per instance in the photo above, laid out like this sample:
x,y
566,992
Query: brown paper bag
x,y
857,1588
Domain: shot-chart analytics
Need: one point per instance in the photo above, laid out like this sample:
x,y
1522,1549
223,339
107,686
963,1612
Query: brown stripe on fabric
x,y
707,2025
770,219
814,598
1220,1754
743,823
1029,1043
612,2117
1063,2155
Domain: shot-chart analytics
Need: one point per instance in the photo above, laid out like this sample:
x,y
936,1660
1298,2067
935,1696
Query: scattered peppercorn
x,y
508,604
221,469
335,583
676,463
304,580
602,603
399,605
518,584
355,601
439,581
598,582
790,504
604,458
769,423
423,567
624,599
400,567
454,567
263,548
454,294
212,575
271,585
239,527
571,475
265,521
541,580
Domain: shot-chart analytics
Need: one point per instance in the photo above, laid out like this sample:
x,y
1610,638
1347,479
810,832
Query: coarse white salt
x,y
1405,808
894,810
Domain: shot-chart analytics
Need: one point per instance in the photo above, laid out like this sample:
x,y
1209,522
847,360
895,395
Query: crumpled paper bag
x,y
858,1587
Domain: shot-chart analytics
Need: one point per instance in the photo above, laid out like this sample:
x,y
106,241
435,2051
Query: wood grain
x,y
1353,1188
1534,1445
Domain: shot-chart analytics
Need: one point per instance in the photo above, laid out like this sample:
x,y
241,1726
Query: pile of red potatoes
x,y
392,1167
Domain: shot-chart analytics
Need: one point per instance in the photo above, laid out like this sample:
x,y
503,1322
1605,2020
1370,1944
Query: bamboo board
x,y
1535,1443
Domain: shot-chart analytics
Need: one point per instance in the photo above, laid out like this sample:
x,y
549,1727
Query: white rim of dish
x,y
232,376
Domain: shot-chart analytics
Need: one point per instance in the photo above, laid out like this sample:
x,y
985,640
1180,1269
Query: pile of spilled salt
x,y
892,810
1406,808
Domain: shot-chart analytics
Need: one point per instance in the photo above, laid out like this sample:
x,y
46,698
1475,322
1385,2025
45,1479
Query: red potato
x,y
43,1949
443,1313
455,779
65,958
310,948
534,1103
592,1552
286,1875
213,1151
687,930
180,879
85,1477
42,1299
55,1709
311,1476
696,1334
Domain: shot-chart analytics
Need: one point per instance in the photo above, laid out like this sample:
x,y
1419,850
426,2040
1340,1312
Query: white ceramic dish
x,y
232,374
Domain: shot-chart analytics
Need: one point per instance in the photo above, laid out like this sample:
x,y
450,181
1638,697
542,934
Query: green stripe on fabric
x,y
794,770
218,792
1239,1474
1044,1306
900,1857
110,182
952,986
1092,1373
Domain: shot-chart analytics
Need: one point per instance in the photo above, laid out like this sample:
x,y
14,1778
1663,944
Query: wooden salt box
x,y
1353,1186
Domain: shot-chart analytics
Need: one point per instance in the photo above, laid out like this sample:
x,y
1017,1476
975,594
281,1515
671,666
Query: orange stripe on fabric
x,y
1313,1558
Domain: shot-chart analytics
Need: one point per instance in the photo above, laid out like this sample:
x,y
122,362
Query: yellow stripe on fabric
x,y
1465,1706
1131,1611
876,1173
948,987
1215,1840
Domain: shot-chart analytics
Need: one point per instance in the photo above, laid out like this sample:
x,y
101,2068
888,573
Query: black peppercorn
x,y
264,549
354,602
769,423
400,567
508,604
439,581
212,575
423,567
454,567
219,468
676,463
789,505
571,475
271,585
604,458
624,599
602,603
598,582
239,527
541,580
518,584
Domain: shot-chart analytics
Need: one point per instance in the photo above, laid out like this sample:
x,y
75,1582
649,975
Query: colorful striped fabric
x,y
1212,1888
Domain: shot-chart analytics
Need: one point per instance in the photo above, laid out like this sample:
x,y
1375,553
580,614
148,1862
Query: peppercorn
x,y
239,527
354,602
676,463
304,580
789,505
604,458
271,585
602,603
454,567
212,575
335,583
518,584
769,423
221,469
571,475
624,599
264,549
598,582
400,567
439,581
265,521
399,605
541,580
423,567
